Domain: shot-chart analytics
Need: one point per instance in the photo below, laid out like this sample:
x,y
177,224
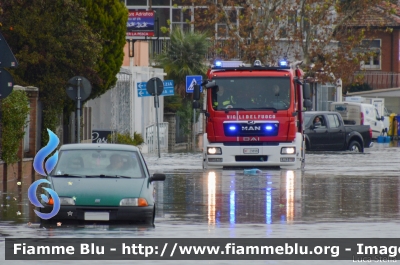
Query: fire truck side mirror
x,y
307,103
306,91
196,92
211,84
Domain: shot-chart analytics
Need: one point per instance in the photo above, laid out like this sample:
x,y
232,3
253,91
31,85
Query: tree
x,y
15,112
54,41
184,56
313,31
108,19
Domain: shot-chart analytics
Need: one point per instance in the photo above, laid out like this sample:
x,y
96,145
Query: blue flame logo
x,y
38,166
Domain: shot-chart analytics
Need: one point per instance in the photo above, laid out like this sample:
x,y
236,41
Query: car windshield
x,y
245,93
98,163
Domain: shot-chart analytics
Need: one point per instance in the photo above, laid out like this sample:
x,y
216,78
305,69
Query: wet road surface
x,y
338,195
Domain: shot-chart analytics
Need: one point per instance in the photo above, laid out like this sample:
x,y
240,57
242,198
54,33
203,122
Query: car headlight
x,y
133,202
214,150
67,201
288,150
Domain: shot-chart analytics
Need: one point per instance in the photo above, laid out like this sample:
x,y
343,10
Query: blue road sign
x,y
168,89
192,80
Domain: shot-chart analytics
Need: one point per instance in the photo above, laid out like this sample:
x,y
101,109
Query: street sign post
x,y
192,80
155,87
78,88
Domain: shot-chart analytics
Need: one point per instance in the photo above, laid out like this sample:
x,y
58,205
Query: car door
x,y
318,136
370,117
336,133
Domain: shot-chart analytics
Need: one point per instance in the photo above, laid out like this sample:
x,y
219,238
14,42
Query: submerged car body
x,y
90,189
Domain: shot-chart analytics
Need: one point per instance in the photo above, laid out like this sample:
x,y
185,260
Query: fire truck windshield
x,y
251,93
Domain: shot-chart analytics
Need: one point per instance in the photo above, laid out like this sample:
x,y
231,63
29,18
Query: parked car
x,y
331,134
102,183
360,114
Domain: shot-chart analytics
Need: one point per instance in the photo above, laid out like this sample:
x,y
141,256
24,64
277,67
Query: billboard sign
x,y
140,23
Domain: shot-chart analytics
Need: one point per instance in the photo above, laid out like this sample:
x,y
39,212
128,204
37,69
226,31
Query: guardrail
x,y
151,137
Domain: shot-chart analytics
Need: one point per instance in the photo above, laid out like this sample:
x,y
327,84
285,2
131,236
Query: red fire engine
x,y
253,116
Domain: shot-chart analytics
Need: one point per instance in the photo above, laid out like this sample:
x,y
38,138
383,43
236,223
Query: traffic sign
x,y
84,86
192,80
7,57
6,83
155,86
168,89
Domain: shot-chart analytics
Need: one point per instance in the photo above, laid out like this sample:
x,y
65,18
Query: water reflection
x,y
230,197
211,198
14,203
278,196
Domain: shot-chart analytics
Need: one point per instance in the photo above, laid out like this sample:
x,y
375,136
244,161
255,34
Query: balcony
x,y
381,80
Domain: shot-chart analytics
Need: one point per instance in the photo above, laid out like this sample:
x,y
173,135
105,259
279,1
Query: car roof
x,y
318,112
87,146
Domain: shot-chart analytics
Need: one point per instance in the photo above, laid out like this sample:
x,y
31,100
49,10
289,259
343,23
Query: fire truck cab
x,y
253,116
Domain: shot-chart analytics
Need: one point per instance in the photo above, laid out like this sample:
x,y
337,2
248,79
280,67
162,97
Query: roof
x,y
377,16
318,112
122,147
389,92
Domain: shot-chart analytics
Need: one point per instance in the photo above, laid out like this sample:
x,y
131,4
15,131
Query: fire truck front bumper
x,y
274,155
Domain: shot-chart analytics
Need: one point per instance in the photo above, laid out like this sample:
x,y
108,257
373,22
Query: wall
x,y
138,112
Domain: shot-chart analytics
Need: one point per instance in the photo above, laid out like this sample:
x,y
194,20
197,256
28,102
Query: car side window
x,y
333,121
377,114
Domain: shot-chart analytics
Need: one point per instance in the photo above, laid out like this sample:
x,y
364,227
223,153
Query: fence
x,y
381,80
157,46
151,137
121,103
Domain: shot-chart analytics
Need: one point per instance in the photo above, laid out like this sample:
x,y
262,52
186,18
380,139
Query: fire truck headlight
x,y
214,150
288,150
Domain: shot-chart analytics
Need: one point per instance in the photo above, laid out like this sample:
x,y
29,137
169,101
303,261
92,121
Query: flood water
x,y
340,194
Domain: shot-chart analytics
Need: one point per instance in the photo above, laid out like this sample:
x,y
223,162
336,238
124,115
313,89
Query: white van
x,y
360,114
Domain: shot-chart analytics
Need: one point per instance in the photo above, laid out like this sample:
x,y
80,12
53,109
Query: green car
x,y
102,183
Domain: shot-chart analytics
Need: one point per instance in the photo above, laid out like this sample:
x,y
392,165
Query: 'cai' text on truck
x,y
253,116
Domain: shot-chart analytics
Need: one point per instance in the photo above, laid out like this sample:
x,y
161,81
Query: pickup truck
x,y
331,134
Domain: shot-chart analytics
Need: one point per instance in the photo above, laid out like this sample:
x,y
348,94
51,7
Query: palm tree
x,y
184,56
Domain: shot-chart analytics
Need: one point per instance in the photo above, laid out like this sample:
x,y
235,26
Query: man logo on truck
x,y
251,128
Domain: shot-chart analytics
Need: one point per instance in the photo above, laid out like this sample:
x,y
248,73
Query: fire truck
x,y
253,115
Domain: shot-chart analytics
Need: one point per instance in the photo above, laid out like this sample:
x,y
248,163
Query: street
x,y
340,194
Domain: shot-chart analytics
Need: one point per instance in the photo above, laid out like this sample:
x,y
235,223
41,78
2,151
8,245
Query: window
x,y
333,121
136,2
288,26
181,18
372,47
222,25
377,114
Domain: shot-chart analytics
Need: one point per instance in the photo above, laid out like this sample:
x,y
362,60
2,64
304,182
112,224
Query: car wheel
x,y
307,146
355,147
